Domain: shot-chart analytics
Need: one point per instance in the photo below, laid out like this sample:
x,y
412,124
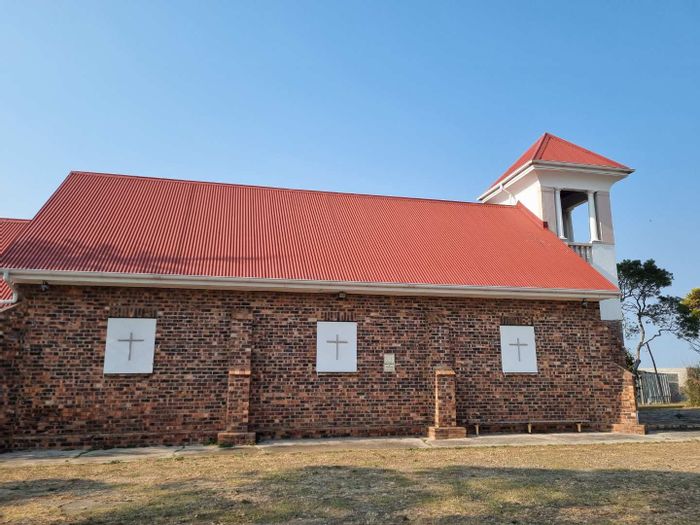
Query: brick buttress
x,y
238,392
445,407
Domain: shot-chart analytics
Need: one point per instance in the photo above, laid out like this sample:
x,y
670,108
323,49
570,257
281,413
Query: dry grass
x,y
630,483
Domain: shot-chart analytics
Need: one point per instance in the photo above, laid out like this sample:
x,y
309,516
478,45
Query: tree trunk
x,y
642,336
656,373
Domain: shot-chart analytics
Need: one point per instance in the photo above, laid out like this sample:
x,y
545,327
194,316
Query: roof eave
x,y
619,173
605,170
507,180
25,276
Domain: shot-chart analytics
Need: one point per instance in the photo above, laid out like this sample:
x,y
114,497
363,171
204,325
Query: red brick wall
x,y
61,397
10,344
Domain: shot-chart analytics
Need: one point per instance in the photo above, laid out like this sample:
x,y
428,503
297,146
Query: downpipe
x,y
15,295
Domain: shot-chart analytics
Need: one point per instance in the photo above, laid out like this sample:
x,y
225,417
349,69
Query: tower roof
x,y
550,148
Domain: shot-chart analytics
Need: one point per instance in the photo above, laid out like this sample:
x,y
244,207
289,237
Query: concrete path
x,y
52,457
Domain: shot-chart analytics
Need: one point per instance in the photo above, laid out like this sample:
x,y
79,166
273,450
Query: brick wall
x,y
59,396
10,343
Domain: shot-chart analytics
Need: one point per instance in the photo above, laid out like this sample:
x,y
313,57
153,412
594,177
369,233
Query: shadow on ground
x,y
670,418
36,489
344,494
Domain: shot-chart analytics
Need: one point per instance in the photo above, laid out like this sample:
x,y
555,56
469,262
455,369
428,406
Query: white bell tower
x,y
554,177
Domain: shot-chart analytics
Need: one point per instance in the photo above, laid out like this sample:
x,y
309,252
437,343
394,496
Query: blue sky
x,y
431,99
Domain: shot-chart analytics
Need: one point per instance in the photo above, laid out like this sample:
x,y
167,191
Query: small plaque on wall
x,y
390,363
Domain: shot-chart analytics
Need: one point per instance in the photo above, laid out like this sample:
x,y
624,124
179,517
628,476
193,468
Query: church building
x,y
142,311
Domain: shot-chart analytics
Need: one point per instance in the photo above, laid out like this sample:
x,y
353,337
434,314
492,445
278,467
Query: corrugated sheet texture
x,y
116,223
551,148
9,230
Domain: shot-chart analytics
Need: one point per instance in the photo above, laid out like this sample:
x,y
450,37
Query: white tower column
x,y
560,218
593,217
568,225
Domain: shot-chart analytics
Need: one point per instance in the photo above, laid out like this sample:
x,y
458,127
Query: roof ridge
x,y
13,219
279,188
544,139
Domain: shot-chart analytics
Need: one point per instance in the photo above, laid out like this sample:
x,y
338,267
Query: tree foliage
x,y
692,301
648,312
692,386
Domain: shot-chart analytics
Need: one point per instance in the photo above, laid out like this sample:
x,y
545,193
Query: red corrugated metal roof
x,y
554,149
116,223
9,230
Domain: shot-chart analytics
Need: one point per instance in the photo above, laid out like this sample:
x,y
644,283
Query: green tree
x,y
692,386
692,301
648,312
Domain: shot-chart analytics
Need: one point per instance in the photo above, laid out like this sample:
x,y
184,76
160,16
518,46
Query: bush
x,y
692,386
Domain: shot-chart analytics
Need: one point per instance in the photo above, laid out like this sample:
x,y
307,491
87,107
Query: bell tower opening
x,y
579,216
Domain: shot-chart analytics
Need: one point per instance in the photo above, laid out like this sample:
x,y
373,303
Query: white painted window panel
x,y
336,347
122,333
522,339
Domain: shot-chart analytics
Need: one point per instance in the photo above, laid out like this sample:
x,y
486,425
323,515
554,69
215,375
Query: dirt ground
x,y
613,483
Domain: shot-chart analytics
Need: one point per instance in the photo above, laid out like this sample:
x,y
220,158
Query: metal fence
x,y
657,388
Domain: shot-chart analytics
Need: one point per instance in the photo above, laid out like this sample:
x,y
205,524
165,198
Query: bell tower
x,y
553,178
